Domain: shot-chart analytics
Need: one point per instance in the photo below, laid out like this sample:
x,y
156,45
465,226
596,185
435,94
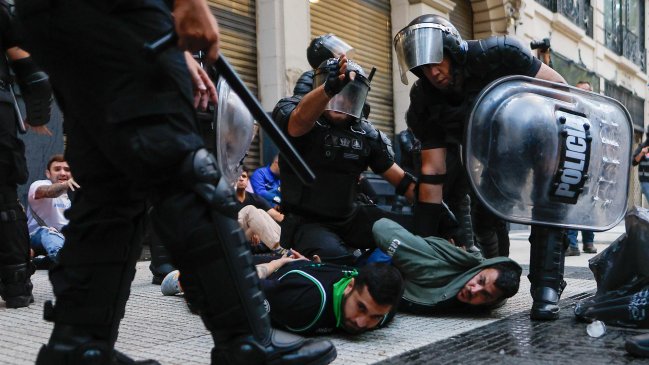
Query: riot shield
x,y
544,153
234,131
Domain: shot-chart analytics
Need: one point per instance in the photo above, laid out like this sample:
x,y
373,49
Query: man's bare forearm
x,y
50,191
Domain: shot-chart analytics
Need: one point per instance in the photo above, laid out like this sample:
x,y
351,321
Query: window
x,y
624,29
579,12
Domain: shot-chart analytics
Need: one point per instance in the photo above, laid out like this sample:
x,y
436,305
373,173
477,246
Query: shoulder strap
x,y
38,219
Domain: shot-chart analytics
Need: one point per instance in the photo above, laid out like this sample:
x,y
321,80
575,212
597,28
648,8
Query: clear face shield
x,y
337,46
418,45
235,129
351,99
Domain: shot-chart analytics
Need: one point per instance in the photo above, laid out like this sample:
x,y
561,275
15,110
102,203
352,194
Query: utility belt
x,y
8,199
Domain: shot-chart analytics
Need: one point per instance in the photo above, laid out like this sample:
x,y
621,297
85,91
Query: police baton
x,y
22,128
226,71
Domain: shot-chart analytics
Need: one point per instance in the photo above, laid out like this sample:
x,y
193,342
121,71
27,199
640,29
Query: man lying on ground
x,y
439,275
309,297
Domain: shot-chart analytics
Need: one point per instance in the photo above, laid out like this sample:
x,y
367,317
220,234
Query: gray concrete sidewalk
x,y
161,327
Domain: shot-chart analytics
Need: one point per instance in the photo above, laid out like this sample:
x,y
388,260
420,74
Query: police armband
x,y
36,90
432,179
405,182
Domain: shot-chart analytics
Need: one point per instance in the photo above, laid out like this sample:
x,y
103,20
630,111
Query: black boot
x,y
160,261
546,271
90,304
638,345
488,242
284,348
16,285
160,257
464,231
85,350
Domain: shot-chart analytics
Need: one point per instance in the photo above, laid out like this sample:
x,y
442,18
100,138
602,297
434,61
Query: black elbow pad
x,y
36,91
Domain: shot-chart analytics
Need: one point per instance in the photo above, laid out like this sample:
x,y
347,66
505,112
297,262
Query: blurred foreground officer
x,y
134,116
451,73
15,266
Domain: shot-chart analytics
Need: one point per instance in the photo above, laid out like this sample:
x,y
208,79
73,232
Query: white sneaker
x,y
170,285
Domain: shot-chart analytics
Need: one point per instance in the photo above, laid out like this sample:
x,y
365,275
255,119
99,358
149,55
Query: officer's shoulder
x,y
497,51
285,106
369,128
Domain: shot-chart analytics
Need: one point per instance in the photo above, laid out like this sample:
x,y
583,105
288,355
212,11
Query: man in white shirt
x,y
48,199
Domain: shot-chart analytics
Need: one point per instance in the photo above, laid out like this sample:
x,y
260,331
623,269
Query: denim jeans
x,y
645,189
586,237
48,240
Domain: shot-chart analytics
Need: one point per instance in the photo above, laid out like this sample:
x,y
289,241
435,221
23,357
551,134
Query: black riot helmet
x,y
424,41
325,47
351,99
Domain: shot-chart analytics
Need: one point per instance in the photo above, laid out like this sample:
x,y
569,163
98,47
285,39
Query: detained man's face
x,y
439,74
360,311
58,172
481,289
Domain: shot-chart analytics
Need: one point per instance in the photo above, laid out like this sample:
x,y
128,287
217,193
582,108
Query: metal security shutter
x,y
238,26
365,25
462,18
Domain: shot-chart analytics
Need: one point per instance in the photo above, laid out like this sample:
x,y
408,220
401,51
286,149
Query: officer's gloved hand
x,y
334,84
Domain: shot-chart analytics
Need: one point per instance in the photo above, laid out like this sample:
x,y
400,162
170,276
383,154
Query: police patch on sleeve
x,y
574,158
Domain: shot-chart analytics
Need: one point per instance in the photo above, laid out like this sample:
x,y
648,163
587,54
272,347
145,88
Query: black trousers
x,y
130,123
14,237
335,240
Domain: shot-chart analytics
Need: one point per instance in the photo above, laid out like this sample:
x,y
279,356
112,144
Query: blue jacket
x,y
266,184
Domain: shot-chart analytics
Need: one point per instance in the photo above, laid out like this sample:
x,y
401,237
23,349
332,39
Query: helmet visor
x,y
337,46
417,45
351,98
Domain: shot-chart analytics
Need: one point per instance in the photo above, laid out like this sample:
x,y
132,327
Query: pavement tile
x,y
162,327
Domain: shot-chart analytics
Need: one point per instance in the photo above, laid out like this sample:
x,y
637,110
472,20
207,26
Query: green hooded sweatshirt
x,y
434,269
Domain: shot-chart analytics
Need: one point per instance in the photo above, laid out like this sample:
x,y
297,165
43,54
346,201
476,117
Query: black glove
x,y
36,90
333,85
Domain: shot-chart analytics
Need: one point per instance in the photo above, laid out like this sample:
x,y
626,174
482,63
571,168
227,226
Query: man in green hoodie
x,y
439,275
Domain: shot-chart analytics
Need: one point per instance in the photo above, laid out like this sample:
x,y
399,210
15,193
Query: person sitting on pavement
x,y
48,199
327,129
308,297
440,276
258,220
265,182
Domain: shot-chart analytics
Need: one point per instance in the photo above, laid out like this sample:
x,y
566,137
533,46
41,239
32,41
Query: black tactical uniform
x,y
324,218
437,118
132,138
15,266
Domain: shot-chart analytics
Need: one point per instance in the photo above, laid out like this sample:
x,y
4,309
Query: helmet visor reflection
x,y
417,45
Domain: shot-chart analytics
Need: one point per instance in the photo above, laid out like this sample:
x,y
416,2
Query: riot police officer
x,y
326,128
451,74
15,266
134,113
